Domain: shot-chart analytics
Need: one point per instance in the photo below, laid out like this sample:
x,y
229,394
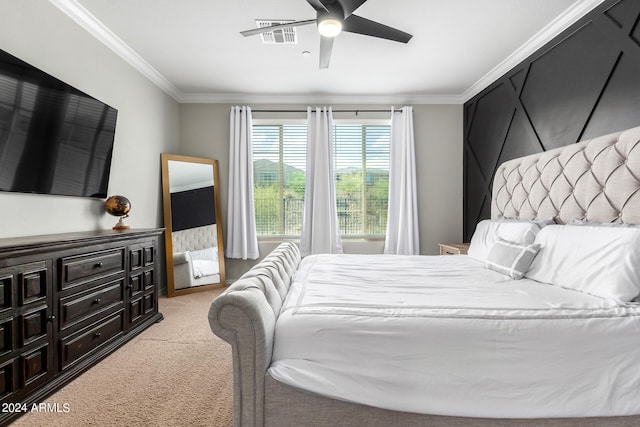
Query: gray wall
x,y
204,132
38,33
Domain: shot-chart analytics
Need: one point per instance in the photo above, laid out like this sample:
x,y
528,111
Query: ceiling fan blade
x,y
350,6
255,31
326,46
359,25
318,6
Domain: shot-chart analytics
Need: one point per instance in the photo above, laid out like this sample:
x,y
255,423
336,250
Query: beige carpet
x,y
176,373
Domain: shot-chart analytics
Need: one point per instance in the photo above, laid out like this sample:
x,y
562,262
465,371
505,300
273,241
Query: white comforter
x,y
445,336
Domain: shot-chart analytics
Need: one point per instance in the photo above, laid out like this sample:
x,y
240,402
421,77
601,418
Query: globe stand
x,y
120,225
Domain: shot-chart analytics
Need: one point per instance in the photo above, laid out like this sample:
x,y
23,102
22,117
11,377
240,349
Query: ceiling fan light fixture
x,y
329,27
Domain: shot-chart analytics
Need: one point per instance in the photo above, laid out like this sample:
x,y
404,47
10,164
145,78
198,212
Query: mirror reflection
x,y
193,236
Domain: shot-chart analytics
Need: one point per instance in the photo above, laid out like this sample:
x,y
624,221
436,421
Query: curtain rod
x,y
335,111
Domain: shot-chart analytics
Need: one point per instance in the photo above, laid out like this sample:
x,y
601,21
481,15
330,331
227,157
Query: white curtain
x,y
320,230
242,239
402,222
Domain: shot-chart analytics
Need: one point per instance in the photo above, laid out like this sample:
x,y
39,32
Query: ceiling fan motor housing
x,y
333,17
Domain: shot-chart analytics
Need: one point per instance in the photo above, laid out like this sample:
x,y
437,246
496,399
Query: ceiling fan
x,y
333,17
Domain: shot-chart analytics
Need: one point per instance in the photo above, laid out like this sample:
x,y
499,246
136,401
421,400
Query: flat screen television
x,y
54,139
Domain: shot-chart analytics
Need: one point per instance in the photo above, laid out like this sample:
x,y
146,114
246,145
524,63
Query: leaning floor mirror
x,y
193,226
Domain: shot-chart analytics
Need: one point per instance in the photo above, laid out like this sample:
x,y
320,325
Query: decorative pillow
x,y
602,261
488,231
511,258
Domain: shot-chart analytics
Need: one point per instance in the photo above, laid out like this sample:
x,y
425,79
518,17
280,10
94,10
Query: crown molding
x,y
233,98
576,11
91,24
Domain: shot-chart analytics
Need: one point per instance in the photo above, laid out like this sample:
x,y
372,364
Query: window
x,y
361,156
279,178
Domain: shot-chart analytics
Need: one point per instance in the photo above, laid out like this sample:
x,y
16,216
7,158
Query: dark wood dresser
x,y
66,302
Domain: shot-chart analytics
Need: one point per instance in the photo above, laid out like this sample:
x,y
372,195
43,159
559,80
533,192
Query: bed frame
x,y
597,180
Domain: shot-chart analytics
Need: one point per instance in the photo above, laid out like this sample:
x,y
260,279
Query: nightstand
x,y
453,248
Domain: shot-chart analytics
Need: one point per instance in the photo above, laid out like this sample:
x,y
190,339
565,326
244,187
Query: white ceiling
x,y
193,50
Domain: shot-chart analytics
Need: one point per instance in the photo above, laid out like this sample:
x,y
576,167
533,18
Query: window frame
x,y
336,121
278,122
363,122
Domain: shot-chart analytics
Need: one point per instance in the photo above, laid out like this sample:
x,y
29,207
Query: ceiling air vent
x,y
284,35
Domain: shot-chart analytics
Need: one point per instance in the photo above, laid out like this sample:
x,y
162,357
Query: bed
x,y
537,326
195,257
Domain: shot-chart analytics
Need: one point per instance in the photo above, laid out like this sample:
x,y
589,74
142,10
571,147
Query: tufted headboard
x,y
596,180
195,239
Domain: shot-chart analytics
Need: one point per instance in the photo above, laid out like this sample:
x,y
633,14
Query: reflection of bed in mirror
x,y
193,237
195,257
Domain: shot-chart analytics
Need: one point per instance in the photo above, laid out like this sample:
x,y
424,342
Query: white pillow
x,y
602,261
488,231
511,258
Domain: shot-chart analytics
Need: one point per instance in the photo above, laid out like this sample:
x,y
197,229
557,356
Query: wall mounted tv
x,y
54,139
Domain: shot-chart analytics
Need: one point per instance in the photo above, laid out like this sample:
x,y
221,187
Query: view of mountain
x,y
266,171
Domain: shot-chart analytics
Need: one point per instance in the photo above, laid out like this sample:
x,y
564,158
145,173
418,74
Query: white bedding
x,y
445,336
205,262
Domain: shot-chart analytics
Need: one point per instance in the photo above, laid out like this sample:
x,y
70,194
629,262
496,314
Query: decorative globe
x,y
117,205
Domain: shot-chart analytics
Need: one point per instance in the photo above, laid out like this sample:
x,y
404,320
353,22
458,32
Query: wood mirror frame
x,y
192,237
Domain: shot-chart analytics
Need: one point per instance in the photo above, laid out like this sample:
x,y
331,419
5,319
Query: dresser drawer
x,y
6,336
141,307
32,325
95,265
76,346
6,293
35,366
79,307
7,378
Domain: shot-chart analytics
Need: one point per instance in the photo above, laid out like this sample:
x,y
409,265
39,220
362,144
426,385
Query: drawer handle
x,y
97,335
96,301
97,265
